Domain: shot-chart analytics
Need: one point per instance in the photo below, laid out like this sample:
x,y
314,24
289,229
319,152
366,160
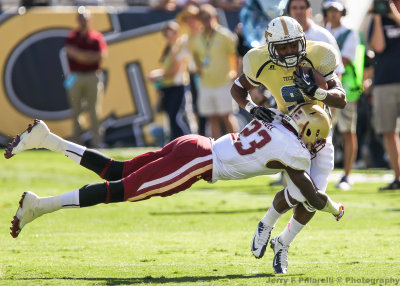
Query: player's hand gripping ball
x,y
308,80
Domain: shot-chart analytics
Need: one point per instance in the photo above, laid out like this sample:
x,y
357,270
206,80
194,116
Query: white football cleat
x,y
28,210
341,212
31,138
281,252
260,239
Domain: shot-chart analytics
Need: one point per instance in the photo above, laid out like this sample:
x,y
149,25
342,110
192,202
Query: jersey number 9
x,y
290,93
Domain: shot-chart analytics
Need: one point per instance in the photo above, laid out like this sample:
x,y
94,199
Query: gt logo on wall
x,y
34,67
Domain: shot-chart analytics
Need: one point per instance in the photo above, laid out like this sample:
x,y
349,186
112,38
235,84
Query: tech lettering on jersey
x,y
279,81
288,78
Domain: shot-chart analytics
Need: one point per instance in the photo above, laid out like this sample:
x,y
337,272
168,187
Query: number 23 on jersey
x,y
260,140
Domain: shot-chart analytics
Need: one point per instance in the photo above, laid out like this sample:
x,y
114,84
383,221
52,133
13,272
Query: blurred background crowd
x,y
179,81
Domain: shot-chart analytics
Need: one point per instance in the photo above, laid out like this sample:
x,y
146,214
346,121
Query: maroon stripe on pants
x,y
190,172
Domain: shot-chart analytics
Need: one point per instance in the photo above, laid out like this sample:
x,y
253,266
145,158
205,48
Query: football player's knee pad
x,y
309,207
286,193
294,192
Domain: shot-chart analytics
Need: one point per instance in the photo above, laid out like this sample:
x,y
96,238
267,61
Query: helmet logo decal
x,y
284,26
300,28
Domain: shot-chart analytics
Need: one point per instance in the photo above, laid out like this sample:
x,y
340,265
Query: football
x,y
318,77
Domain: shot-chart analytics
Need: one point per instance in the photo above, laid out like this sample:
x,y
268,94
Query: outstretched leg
x,y
183,162
31,206
38,135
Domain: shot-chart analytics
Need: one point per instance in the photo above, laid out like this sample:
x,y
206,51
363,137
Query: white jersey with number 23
x,y
246,154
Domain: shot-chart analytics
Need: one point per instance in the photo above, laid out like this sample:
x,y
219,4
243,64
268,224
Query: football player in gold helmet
x,y
278,65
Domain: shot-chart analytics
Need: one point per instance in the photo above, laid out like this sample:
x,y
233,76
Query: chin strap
x,y
317,146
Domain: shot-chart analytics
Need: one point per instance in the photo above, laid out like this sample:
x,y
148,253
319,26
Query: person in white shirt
x,y
346,119
301,11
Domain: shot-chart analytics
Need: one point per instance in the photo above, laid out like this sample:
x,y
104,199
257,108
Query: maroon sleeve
x,y
102,43
70,38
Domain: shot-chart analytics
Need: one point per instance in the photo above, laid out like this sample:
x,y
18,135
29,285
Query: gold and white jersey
x,y
259,69
246,154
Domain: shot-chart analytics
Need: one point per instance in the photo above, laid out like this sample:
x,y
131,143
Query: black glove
x,y
262,113
305,82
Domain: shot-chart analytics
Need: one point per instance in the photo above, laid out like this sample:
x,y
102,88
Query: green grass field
x,y
200,236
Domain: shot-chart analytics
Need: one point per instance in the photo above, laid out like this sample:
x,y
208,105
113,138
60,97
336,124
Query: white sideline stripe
x,y
177,172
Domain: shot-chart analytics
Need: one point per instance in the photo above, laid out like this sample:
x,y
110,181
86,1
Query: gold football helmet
x,y
312,125
284,30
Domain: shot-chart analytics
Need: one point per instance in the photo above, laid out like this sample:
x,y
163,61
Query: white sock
x,y
74,151
54,203
291,230
55,143
49,204
331,207
271,217
70,199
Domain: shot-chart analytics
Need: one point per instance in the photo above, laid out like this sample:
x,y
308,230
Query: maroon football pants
x,y
172,169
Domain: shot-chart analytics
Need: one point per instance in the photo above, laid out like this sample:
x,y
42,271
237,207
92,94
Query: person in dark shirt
x,y
85,48
385,41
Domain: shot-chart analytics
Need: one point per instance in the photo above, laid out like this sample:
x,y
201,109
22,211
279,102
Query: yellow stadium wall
x,y
132,54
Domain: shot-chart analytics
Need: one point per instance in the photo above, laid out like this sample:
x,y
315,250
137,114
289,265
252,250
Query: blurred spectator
x,y
168,5
184,3
85,48
189,18
229,5
171,5
214,51
385,41
370,152
255,16
88,2
353,60
173,80
259,94
137,2
32,3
